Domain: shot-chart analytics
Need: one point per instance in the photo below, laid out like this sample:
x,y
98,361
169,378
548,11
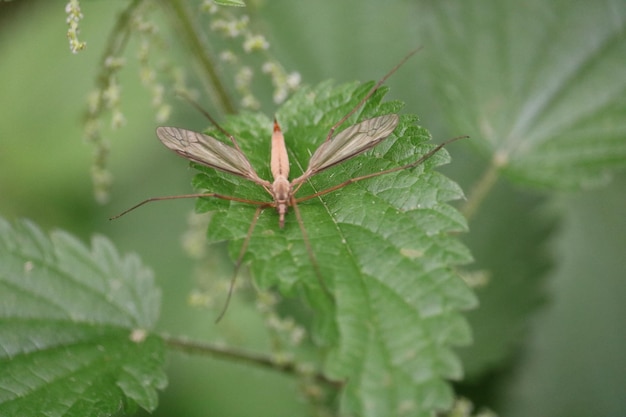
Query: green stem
x,y
116,43
118,38
189,30
241,356
482,187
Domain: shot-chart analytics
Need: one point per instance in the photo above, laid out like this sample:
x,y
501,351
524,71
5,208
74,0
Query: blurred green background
x,y
564,349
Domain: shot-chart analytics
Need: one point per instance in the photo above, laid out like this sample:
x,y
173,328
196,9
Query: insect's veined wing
x,y
208,151
350,142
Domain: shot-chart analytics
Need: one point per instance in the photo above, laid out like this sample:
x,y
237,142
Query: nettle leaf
x,y
515,271
541,86
383,246
74,326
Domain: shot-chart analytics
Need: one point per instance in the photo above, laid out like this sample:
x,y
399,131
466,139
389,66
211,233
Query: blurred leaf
x,y
383,247
574,361
516,273
73,327
541,86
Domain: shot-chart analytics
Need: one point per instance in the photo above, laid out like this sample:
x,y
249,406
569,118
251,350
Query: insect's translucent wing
x,y
208,151
350,142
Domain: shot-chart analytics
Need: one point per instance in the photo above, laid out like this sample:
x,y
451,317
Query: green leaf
x,y
383,247
74,327
538,85
583,324
516,273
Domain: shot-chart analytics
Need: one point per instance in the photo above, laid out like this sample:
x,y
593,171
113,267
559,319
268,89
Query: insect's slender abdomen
x,y
282,211
281,191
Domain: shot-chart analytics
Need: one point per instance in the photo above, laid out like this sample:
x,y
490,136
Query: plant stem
x,y
241,356
482,187
116,42
194,38
115,45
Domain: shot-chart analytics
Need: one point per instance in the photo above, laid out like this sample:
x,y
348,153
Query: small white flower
x,y
117,120
268,67
255,43
293,80
74,15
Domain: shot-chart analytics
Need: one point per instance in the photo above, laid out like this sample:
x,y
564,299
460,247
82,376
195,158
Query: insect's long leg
x,y
297,187
376,174
309,249
197,195
208,116
239,260
331,132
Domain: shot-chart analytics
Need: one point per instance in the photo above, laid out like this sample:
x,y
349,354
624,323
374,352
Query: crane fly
x,y
348,143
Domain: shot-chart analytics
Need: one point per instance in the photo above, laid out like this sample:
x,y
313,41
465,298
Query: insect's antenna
x,y
371,92
206,114
309,250
423,158
238,262
196,195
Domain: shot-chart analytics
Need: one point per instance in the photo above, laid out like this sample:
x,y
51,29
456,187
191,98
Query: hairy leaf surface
x,y
74,327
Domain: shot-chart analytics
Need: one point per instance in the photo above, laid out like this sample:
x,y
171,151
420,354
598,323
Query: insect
x,y
348,143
